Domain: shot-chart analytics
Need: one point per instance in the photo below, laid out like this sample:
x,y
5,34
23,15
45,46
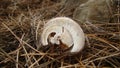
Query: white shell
x,y
66,30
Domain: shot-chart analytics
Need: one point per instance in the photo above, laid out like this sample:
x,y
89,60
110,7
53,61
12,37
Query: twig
x,y
10,57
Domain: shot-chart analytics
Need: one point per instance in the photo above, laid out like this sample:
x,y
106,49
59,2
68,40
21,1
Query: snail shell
x,y
65,30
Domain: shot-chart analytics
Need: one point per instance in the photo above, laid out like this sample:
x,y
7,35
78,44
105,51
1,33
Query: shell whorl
x,y
66,30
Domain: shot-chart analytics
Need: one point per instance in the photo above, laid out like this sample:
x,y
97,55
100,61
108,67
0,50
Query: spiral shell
x,y
65,30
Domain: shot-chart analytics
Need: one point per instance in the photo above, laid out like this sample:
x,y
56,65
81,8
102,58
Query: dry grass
x,y
21,23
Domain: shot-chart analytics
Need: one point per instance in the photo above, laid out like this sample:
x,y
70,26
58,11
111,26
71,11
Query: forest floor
x,y
21,23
